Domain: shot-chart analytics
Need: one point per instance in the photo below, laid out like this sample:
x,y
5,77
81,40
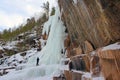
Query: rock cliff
x,y
91,25
97,21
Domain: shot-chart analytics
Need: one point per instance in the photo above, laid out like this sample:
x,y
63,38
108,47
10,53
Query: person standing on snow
x,y
37,63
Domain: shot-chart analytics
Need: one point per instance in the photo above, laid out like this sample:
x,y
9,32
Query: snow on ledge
x,y
98,78
89,75
114,46
81,72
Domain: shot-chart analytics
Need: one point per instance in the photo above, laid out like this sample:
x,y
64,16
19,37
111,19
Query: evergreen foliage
x,y
53,11
31,23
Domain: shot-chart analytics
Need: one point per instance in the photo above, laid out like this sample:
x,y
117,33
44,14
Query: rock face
x,y
110,61
91,25
81,63
97,21
1,53
87,47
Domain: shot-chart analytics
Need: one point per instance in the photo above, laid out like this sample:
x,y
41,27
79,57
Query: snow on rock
x,y
19,57
14,60
10,45
33,34
86,75
64,67
75,1
98,78
1,48
30,53
16,57
43,42
112,47
93,53
81,72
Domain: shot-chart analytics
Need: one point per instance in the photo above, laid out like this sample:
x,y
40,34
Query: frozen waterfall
x,y
50,55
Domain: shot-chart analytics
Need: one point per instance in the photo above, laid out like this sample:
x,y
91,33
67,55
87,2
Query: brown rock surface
x,y
76,76
97,21
81,63
67,41
78,50
70,52
110,62
88,47
68,75
73,51
71,75
93,24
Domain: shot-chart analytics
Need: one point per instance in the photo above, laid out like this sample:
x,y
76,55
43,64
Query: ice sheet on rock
x,y
51,53
47,26
54,43
42,42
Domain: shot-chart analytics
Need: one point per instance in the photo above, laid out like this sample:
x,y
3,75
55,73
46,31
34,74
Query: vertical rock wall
x,y
97,21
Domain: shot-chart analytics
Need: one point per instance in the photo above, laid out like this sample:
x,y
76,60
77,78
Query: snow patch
x,y
86,75
75,1
98,78
93,53
1,48
11,45
114,46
